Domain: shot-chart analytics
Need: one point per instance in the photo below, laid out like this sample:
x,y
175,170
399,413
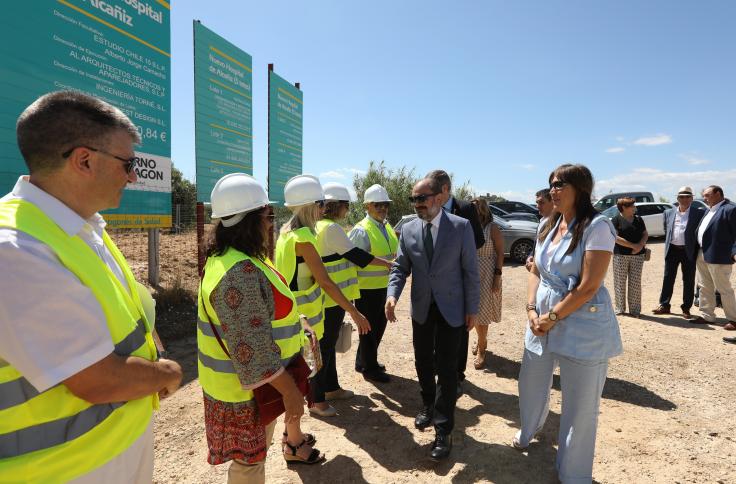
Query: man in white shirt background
x,y
680,249
716,237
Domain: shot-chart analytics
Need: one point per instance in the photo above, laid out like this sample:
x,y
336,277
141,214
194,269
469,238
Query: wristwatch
x,y
531,307
553,316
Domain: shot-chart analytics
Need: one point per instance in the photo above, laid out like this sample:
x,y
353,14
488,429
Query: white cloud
x,y
332,174
616,149
666,183
694,159
341,173
656,140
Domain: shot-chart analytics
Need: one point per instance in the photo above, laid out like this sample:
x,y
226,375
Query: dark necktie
x,y
428,242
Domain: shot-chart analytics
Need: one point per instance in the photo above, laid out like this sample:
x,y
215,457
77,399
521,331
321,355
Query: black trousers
x,y
436,346
676,256
326,379
371,304
462,356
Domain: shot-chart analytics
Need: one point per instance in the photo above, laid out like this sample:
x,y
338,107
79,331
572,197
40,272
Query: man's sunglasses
x,y
128,163
421,198
557,185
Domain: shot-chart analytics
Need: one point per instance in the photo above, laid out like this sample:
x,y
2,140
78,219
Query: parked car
x,y
517,207
651,213
518,236
501,213
607,201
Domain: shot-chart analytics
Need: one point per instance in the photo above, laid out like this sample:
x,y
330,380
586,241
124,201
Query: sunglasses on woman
x,y
557,185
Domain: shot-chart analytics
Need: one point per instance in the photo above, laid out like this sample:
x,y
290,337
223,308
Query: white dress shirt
x,y
435,227
706,220
678,228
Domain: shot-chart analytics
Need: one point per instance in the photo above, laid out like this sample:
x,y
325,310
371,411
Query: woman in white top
x,y
340,256
304,196
571,323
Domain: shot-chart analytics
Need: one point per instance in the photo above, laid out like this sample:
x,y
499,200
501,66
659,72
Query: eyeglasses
x,y
128,163
557,185
684,196
321,203
627,205
381,204
421,198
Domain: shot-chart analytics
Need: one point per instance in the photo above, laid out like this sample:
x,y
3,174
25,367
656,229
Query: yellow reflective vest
x,y
341,271
311,301
216,371
374,276
54,436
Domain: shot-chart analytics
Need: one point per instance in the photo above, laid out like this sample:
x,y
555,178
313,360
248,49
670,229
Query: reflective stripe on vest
x,y
342,272
70,436
310,301
217,373
374,276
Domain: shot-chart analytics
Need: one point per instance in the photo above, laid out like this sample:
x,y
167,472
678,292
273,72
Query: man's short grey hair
x,y
441,177
60,121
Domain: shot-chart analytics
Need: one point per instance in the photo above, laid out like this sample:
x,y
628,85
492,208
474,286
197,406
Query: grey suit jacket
x,y
695,214
452,278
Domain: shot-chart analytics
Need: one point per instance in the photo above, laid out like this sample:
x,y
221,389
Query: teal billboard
x,y
285,108
117,50
223,109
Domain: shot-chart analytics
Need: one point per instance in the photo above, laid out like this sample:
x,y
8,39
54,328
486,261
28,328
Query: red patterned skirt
x,y
233,431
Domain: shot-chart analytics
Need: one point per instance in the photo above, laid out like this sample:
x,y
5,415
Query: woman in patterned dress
x,y
490,261
240,350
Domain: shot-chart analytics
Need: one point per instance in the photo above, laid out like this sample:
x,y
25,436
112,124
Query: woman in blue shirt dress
x,y
571,323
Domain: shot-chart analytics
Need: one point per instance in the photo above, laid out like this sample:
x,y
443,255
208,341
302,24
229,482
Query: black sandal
x,y
290,454
309,439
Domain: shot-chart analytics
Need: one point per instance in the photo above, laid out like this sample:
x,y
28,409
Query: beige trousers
x,y
243,473
712,278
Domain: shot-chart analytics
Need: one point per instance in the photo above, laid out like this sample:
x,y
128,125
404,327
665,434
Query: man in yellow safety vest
x,y
375,235
79,371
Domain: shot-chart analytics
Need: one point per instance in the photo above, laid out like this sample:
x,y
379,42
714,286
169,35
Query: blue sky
x,y
498,93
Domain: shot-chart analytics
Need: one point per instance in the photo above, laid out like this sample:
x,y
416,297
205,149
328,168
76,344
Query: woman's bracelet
x,y
531,307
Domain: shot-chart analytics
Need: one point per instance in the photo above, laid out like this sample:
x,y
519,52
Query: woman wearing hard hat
x,y
375,235
297,258
249,338
340,257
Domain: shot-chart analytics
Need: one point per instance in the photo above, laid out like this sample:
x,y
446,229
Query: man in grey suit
x,y
438,250
680,249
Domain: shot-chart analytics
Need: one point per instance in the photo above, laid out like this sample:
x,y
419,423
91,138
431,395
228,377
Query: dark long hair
x,y
247,236
485,216
580,178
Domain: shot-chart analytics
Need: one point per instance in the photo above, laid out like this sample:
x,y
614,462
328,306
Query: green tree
x,y
493,198
183,193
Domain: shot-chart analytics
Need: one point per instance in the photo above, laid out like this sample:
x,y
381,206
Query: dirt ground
x,y
667,413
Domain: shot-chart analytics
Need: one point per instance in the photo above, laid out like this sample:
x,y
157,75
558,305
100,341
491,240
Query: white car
x,y
650,212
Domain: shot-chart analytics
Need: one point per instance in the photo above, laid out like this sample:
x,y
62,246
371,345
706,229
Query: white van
x,y
609,200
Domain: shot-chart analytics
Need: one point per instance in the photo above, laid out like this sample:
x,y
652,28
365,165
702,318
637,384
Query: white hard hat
x,y
301,190
237,193
149,304
337,192
376,193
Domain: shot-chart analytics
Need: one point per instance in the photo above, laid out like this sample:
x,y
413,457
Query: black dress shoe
x,y
729,339
441,447
376,376
360,369
424,418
